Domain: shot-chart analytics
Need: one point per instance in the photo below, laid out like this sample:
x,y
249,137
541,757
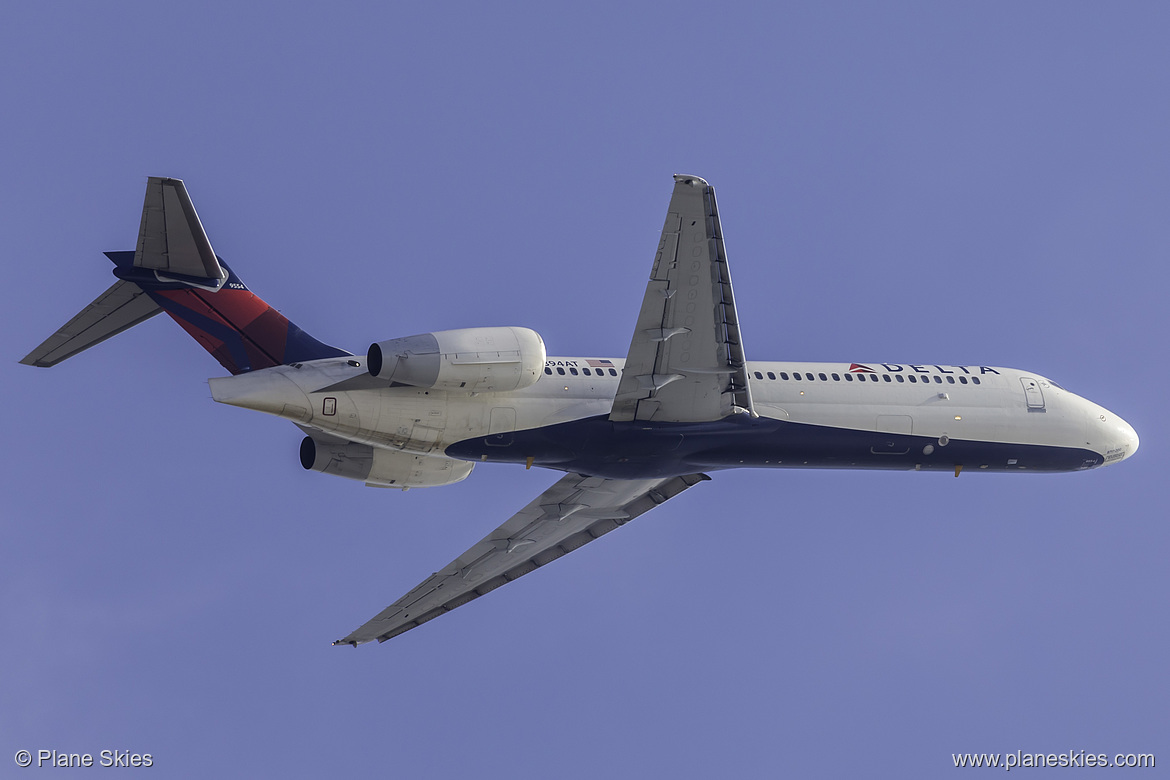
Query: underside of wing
x,y
570,514
686,360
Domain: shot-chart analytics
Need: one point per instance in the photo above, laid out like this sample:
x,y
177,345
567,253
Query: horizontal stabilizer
x,y
122,306
171,238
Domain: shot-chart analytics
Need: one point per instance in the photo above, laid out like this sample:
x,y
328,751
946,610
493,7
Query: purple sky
x,y
921,183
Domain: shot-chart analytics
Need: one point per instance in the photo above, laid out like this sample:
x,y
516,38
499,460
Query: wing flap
x,y
570,514
119,308
686,360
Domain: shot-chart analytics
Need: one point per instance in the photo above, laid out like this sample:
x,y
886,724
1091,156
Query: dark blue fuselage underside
x,y
639,450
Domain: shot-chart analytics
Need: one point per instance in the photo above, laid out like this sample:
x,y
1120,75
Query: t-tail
x,y
174,270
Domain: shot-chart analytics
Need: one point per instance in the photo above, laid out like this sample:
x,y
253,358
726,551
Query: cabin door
x,y
1033,395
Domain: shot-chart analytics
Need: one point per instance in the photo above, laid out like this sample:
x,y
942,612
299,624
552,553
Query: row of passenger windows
x,y
912,378
585,371
796,376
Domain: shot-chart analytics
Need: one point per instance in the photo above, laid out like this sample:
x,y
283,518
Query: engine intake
x,y
471,359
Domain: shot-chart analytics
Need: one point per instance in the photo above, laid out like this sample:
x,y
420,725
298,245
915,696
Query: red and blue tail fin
x,y
175,270
236,326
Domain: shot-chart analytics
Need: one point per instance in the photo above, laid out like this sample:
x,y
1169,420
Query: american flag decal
x,y
600,363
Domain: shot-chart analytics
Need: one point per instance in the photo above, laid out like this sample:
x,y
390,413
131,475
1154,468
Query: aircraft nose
x,y
1128,437
1119,438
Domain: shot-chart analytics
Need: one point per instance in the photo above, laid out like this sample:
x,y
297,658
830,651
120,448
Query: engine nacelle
x,y
475,360
379,467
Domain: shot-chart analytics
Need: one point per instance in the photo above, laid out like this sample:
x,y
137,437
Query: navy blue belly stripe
x,y
638,450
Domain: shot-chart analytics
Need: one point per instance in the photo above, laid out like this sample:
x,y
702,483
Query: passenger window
x,y
809,377
823,378
899,378
913,379
975,379
937,380
548,370
836,378
771,375
950,380
784,375
759,375
585,371
849,377
963,379
796,376
560,371
886,378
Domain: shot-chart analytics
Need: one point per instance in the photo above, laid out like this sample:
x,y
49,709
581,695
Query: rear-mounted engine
x,y
476,360
379,467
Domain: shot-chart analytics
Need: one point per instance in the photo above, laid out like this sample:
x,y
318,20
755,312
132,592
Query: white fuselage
x,y
907,416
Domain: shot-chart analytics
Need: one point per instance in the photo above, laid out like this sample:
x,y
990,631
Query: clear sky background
x,y
916,183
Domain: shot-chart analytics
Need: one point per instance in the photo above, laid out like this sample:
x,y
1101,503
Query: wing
x,y
122,306
570,514
686,361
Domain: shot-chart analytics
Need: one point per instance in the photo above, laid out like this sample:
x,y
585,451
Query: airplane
x,y
629,434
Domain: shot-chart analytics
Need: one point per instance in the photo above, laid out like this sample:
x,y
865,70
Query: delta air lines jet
x,y
628,434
